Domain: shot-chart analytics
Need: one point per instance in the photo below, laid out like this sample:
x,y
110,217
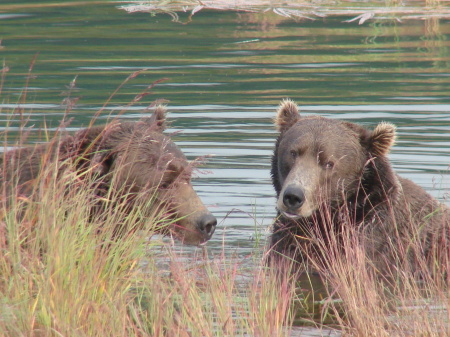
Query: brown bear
x,y
135,157
329,174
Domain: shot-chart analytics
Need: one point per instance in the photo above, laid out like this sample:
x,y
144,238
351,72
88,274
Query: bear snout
x,y
206,224
293,198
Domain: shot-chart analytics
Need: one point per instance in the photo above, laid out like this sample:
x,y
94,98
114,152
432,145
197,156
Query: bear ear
x,y
158,118
101,162
87,139
287,115
93,147
381,139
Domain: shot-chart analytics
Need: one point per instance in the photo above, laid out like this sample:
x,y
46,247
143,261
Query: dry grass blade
x,y
65,274
381,302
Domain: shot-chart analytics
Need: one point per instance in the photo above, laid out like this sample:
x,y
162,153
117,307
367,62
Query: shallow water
x,y
227,72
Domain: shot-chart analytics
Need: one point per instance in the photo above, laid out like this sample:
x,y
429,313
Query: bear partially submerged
x,y
134,158
329,174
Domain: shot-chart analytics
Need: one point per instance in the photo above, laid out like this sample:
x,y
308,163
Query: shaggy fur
x,y
128,159
329,174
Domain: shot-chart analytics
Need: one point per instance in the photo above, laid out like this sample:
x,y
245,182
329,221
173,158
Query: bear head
x,y
320,162
137,160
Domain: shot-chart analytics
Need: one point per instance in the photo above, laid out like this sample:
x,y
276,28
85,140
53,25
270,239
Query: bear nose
x,y
293,197
207,225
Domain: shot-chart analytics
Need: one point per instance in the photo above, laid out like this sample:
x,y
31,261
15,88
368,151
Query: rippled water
x,y
227,72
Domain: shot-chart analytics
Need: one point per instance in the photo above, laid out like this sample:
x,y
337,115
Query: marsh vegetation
x,y
64,273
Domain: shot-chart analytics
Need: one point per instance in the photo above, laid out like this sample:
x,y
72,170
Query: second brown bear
x,y
329,174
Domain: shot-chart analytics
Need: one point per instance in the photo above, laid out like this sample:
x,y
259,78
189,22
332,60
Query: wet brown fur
x,y
134,158
347,180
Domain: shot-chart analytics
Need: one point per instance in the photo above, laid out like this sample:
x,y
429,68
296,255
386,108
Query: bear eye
x,y
293,154
164,185
329,165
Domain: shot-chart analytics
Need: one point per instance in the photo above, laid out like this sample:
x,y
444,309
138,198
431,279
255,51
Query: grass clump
x,y
390,295
71,268
61,270
66,273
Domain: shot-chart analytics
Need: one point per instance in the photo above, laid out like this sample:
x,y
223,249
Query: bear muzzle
x,y
206,224
194,222
293,197
293,202
195,229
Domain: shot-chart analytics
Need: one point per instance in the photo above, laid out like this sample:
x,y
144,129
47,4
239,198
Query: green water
x,y
226,73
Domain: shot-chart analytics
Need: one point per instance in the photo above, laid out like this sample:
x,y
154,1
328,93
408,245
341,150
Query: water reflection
x,y
360,11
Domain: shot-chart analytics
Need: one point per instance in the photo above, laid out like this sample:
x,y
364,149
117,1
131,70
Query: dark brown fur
x,y
329,174
133,158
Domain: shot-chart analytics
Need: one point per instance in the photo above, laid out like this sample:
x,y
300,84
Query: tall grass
x,y
60,269
65,271
388,295
64,275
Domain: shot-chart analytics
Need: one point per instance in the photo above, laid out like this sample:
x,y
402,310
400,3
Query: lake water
x,y
226,73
